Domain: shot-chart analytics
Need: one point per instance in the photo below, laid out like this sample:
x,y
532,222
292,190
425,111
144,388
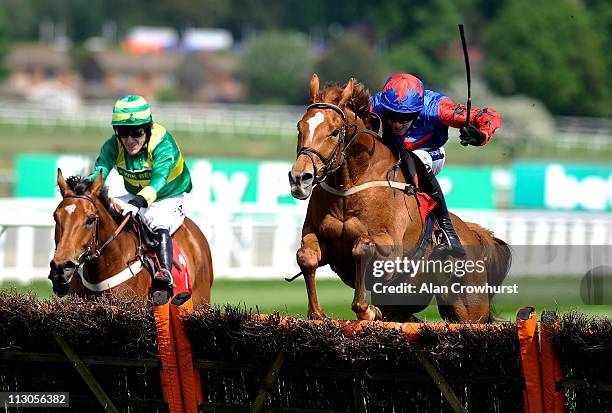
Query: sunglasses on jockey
x,y
396,117
124,133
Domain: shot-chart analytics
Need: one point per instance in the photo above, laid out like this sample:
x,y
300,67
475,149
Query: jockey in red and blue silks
x,y
418,120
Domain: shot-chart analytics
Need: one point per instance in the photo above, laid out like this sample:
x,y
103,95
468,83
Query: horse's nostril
x,y
307,177
69,265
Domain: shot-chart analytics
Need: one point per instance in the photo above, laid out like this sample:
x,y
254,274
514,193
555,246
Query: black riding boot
x,y
454,247
162,280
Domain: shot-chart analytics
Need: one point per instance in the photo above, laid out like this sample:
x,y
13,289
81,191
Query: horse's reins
x,y
124,275
328,162
87,255
307,150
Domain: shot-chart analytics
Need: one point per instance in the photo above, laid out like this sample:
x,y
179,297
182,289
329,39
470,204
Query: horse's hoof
x,y
377,313
317,316
180,299
161,297
371,314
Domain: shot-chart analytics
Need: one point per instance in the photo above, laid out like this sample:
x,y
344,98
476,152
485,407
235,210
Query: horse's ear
x,y
61,182
314,87
95,187
346,93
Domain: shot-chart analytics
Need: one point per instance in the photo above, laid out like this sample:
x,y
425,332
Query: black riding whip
x,y
294,277
467,71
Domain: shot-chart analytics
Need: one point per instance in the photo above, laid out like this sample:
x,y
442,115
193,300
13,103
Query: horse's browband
x,y
81,197
324,105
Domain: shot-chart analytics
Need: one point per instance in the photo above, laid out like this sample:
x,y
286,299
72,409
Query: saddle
x,y
147,253
412,168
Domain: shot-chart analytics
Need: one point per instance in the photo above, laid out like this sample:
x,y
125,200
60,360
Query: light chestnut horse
x,y
87,233
354,214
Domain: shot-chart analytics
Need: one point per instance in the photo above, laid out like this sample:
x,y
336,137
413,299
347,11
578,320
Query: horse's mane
x,y
79,185
359,102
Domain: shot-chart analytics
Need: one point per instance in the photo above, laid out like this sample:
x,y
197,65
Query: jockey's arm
x,y
163,160
487,120
106,159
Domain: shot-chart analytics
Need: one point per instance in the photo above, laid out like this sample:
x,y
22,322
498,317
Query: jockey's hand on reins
x,y
470,135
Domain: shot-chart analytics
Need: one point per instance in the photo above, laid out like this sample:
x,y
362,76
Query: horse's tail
x,y
499,256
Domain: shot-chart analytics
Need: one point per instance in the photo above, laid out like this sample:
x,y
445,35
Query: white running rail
x,y
254,242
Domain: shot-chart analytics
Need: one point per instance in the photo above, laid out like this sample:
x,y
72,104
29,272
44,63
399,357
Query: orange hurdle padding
x,y
552,376
171,384
411,330
191,384
527,329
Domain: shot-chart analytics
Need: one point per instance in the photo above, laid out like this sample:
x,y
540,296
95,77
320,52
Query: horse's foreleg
x,y
308,258
364,250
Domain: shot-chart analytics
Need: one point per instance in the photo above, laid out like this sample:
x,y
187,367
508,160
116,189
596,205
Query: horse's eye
x,y
90,220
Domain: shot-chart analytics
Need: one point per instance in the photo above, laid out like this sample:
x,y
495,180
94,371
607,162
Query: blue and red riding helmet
x,y
402,93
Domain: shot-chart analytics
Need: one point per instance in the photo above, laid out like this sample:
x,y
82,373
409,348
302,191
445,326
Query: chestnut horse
x,y
356,213
87,234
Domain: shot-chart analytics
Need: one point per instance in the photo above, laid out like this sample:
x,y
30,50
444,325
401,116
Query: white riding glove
x,y
129,208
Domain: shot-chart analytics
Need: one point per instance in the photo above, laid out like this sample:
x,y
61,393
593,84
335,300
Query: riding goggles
x,y
124,133
396,117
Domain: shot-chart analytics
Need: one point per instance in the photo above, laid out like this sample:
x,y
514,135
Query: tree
x,y
421,36
276,68
601,13
4,41
351,56
549,50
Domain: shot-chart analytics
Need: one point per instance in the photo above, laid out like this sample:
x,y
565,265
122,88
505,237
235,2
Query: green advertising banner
x,y
35,176
566,187
235,182
468,187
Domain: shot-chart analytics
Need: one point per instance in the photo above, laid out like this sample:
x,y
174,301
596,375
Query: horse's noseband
x,y
328,161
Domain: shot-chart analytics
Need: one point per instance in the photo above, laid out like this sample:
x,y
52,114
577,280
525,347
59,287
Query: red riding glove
x,y
483,121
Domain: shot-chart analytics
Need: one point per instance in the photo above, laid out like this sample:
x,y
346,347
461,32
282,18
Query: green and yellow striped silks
x,y
131,110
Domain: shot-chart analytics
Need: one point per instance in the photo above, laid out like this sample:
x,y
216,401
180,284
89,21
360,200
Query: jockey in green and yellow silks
x,y
154,173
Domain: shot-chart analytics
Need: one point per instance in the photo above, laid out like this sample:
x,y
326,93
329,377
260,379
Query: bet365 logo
x,y
589,191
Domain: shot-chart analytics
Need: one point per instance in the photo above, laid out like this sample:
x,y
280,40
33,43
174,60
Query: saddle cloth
x,y
180,273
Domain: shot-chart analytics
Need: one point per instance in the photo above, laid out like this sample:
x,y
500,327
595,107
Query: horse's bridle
x,y
342,131
329,161
87,255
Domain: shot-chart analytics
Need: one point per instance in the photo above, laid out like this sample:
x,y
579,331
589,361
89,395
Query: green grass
x,y
268,296
15,140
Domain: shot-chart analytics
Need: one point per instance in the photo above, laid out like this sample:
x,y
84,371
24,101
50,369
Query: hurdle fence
x,y
179,360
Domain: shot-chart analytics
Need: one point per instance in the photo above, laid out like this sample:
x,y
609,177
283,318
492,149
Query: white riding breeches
x,y
167,213
433,160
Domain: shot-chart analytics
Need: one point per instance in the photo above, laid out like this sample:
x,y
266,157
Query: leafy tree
x,y
4,41
22,18
420,37
277,67
549,50
351,56
601,12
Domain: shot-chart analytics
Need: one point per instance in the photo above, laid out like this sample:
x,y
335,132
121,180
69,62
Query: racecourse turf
x,y
269,295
